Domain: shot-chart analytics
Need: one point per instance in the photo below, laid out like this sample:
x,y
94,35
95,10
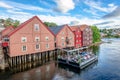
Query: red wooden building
x,y
78,36
86,32
30,37
64,37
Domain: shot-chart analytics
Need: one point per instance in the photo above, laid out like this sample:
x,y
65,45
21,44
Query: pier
x,y
2,60
25,61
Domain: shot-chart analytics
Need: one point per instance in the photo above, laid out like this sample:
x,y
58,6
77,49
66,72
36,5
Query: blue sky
x,y
63,11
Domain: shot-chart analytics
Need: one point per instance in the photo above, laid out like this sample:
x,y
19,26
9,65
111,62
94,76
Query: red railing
x,y
4,44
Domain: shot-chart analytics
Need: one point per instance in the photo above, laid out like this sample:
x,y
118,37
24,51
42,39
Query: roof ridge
x,y
21,25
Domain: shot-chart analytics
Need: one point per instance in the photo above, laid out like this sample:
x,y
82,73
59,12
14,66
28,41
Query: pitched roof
x,y
74,28
8,28
56,29
25,23
82,27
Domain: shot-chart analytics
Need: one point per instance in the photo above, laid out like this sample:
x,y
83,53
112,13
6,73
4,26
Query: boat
x,y
81,61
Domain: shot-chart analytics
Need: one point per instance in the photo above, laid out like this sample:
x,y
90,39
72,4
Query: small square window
x,y
37,39
36,27
77,36
37,46
46,38
76,40
24,39
24,48
62,38
70,38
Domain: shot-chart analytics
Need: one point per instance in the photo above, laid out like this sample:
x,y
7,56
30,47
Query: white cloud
x,y
4,5
98,6
64,6
24,6
15,5
91,11
112,23
111,5
60,19
17,12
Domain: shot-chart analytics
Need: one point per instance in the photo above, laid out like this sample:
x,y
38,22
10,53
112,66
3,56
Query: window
x,y
47,38
54,39
36,27
62,44
62,32
37,39
24,48
70,38
24,39
6,39
37,46
76,40
77,36
47,45
62,38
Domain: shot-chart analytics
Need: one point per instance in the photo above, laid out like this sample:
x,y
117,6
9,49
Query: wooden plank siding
x,y
27,30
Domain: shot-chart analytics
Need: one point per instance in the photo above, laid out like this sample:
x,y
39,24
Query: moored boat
x,y
80,60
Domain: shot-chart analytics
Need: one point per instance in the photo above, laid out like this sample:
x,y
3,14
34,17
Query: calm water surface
x,y
106,68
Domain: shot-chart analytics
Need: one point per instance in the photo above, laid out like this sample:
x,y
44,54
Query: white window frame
x,y
70,38
38,48
77,36
22,48
37,38
62,38
76,40
46,38
36,27
23,38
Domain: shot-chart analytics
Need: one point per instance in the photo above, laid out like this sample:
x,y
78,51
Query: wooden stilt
x,y
48,56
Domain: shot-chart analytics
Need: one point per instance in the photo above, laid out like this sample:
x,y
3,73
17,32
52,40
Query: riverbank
x,y
96,43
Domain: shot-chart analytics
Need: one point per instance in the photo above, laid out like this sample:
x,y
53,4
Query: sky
x,y
103,13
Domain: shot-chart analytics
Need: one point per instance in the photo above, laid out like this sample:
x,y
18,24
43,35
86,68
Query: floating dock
x,y
82,62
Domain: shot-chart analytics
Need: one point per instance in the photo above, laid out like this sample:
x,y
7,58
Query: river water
x,y
106,68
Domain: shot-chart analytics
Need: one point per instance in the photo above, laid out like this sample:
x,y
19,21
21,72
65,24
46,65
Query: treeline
x,y
50,24
110,33
9,22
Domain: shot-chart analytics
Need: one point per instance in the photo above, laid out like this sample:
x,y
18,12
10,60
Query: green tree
x,y
9,22
96,34
50,24
16,23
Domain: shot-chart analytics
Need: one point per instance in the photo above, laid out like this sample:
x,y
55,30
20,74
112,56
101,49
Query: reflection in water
x,y
106,68
45,72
